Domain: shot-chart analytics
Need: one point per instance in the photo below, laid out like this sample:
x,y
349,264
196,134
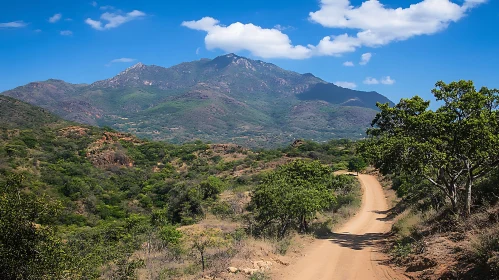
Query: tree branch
x,y
442,188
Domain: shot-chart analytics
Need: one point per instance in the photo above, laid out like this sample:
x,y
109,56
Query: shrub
x,y
259,276
485,251
222,210
282,246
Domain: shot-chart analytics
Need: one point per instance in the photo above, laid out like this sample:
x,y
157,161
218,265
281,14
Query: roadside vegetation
x,y
444,166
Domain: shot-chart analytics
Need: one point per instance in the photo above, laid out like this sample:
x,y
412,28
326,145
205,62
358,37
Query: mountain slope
x,y
15,113
229,98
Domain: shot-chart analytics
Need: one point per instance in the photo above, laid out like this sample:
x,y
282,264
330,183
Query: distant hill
x,y
226,99
17,114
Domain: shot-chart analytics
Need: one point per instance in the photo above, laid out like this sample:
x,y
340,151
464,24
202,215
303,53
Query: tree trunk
x,y
454,198
468,197
202,260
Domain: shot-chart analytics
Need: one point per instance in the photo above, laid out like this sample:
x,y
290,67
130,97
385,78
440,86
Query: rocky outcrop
x,y
107,151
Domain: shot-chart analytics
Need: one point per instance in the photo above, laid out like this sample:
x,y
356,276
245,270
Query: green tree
x,y
29,248
356,164
292,195
201,240
211,187
452,147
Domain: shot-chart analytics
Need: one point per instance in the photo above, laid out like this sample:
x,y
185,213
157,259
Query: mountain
x,y
15,114
226,99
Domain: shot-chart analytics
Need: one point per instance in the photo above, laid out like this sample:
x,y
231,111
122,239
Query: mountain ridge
x,y
228,98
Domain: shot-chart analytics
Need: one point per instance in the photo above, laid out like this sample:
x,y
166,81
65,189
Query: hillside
x,y
227,99
106,194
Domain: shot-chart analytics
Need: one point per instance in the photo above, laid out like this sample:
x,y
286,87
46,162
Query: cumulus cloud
x,y
370,81
55,18
66,33
348,63
387,81
262,42
364,58
380,25
113,19
375,25
349,85
13,24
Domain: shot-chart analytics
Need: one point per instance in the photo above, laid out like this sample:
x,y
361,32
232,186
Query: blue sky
x,y
398,48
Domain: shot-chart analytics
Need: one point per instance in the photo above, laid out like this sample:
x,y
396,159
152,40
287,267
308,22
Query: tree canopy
x,y
451,147
356,164
293,194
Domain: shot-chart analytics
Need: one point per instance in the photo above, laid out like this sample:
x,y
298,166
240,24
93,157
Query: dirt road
x,y
349,253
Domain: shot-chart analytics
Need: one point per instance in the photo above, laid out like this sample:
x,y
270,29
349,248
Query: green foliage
x,y
212,187
259,276
291,195
170,235
356,164
107,210
451,147
200,240
282,246
29,246
222,210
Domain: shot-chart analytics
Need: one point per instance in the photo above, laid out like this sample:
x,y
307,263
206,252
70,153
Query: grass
x,y
484,250
406,223
282,246
259,276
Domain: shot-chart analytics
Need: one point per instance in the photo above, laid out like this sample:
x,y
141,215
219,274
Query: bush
x,y
222,210
170,235
485,251
282,246
259,276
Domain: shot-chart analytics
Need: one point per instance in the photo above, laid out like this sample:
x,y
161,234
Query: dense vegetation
x,y
444,164
82,202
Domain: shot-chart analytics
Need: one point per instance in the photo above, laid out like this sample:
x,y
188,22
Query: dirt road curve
x,y
349,253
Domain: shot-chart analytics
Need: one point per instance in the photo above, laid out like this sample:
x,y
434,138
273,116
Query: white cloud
x,y
282,28
375,25
68,19
113,19
364,58
349,85
371,81
66,33
384,80
348,63
55,18
37,30
262,42
94,4
387,81
107,7
13,24
121,60
197,50
380,25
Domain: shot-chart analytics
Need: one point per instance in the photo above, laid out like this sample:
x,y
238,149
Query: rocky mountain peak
x,y
138,66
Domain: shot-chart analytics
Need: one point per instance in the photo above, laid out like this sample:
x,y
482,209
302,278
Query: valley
x,y
227,99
